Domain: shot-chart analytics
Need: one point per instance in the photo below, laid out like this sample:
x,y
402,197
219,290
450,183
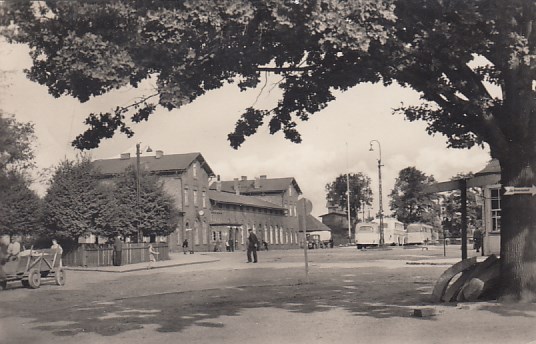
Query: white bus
x,y
394,232
419,234
368,233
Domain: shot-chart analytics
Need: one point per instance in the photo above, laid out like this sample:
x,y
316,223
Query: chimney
x,y
257,184
218,183
159,154
237,190
244,177
125,156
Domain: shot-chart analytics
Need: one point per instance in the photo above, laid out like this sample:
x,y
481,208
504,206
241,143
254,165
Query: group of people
x,y
10,252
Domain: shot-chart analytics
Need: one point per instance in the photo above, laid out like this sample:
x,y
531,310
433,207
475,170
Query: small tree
x,y
155,214
20,207
360,193
451,216
408,201
74,205
16,151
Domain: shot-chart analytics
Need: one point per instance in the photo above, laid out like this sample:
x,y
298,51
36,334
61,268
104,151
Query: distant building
x,y
491,209
337,220
186,179
268,206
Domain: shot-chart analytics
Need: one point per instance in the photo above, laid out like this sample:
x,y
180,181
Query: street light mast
x,y
382,239
138,191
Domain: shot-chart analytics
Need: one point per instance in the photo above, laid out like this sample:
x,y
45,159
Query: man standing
x,y
118,250
253,244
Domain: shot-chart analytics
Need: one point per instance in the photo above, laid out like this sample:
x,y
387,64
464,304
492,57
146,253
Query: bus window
x,y
366,229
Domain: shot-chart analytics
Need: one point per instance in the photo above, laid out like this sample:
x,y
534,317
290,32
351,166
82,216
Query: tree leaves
x,y
80,202
408,201
360,193
86,48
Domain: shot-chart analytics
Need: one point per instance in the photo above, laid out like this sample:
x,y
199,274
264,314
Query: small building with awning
x,y
488,179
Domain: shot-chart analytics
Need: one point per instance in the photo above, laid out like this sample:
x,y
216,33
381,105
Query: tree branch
x,y
285,69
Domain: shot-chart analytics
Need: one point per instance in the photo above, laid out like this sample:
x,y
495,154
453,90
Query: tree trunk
x,y
518,230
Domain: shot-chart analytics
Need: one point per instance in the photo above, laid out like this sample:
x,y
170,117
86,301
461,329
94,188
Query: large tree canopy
x,y
87,48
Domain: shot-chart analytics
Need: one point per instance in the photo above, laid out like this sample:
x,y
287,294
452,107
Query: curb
x,y
137,268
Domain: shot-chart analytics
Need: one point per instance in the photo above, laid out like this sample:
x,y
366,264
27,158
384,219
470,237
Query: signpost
x,y
515,190
305,207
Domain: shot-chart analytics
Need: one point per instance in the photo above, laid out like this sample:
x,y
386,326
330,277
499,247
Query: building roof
x,y
231,198
492,167
313,225
165,163
337,212
265,185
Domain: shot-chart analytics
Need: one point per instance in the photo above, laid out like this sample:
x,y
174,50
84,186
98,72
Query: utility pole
x,y
348,207
382,239
348,198
140,239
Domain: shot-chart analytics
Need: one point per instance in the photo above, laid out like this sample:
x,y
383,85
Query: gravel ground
x,y
349,296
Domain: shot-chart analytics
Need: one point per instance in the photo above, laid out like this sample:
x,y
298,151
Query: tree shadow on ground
x,y
384,297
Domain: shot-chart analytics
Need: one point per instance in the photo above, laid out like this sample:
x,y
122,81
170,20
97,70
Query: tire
x,y
359,247
3,285
25,283
34,279
60,277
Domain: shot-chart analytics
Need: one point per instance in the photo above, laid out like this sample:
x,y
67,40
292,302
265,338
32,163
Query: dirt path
x,y
350,298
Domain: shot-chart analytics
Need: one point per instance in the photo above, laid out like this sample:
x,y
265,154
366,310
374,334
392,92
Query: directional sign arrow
x,y
514,190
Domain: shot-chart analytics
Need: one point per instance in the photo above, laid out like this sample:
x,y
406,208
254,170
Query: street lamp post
x,y
138,153
382,239
138,191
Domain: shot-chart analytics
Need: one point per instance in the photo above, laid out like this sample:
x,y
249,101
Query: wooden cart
x,y
32,266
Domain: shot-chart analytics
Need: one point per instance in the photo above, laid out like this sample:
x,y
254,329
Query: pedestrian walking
x,y
253,244
227,246
152,256
58,250
265,245
477,239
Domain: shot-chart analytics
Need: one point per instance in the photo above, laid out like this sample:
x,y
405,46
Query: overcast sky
x,y
335,140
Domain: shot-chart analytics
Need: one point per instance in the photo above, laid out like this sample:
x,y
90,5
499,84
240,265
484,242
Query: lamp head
x,y
149,150
371,149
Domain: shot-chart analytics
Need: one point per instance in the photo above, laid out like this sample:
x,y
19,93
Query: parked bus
x,y
394,232
368,233
419,234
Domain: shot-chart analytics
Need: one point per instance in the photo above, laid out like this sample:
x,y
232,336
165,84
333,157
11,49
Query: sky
x,y
334,141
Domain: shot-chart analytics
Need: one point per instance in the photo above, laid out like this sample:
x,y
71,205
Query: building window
x,y
217,235
186,196
194,170
195,198
290,190
495,210
204,198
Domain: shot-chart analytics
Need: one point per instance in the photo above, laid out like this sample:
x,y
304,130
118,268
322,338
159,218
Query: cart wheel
x,y
25,283
34,279
3,285
60,276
